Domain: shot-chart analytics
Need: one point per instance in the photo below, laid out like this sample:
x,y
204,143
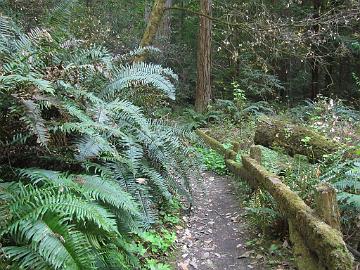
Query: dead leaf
x,y
184,265
194,264
246,254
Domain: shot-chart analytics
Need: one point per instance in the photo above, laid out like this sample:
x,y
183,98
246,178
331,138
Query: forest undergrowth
x,y
100,101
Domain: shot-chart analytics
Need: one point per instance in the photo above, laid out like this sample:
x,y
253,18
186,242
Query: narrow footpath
x,y
215,234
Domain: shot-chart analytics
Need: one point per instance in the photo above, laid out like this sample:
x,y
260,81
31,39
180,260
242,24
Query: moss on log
x,y
325,241
216,145
294,139
256,153
242,173
304,258
326,205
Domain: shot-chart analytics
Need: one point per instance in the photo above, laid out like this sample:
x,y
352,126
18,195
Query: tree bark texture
x,y
203,86
156,15
164,30
315,69
326,205
294,139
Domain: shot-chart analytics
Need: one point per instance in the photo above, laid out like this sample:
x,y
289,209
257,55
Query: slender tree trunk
x,y
147,11
156,15
315,70
203,87
164,30
314,79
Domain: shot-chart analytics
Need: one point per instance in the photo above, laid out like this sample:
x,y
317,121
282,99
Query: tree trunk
x,y
314,79
314,63
203,86
147,11
155,18
164,30
326,205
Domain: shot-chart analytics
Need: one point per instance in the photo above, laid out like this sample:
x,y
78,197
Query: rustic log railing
x,y
316,244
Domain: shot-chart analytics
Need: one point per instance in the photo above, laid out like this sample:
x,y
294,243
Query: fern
x,y
59,17
36,122
123,165
48,221
143,74
136,52
346,179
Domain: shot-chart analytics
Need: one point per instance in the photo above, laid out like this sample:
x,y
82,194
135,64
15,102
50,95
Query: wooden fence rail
x,y
317,245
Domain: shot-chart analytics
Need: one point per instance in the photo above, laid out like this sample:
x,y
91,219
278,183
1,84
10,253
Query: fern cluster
x,y
83,168
60,221
346,179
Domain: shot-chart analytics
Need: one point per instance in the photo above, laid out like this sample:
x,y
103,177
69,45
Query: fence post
x,y
304,258
255,153
326,205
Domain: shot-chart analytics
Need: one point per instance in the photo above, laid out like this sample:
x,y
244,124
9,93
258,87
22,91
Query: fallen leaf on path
x,y
246,254
184,265
210,264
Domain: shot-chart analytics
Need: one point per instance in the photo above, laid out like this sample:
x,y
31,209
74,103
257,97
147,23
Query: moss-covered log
x,y
216,145
294,139
325,241
238,170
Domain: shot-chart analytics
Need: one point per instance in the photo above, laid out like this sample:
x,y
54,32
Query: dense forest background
x,y
99,101
274,50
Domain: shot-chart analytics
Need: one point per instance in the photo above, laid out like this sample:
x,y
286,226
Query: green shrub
x,y
212,160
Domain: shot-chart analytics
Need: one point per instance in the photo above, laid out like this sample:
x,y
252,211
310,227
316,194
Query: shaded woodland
x,y
110,112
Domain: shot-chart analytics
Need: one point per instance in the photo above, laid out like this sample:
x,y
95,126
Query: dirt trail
x,y
216,233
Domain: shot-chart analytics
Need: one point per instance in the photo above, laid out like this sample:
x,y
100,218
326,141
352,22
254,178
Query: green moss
x,y
294,139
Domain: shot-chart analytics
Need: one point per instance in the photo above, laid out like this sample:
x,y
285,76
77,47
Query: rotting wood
x,y
255,153
235,146
242,173
294,139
